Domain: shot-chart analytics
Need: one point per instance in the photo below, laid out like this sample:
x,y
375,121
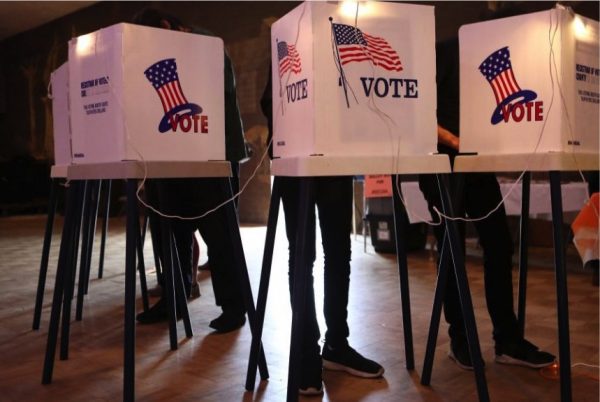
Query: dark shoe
x,y
195,292
311,379
156,313
155,291
228,322
523,353
344,358
459,353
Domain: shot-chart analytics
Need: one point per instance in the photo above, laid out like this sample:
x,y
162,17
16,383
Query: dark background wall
x,y
27,59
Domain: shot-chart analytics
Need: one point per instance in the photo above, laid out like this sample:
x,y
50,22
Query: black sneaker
x,y
344,358
459,353
311,379
156,313
523,353
228,321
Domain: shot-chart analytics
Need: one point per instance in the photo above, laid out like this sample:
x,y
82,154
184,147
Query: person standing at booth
x,y
194,196
333,199
480,194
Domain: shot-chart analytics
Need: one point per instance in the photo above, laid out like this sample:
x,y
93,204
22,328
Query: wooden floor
x,y
212,367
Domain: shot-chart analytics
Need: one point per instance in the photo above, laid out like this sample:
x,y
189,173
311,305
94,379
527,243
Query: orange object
x,y
378,186
585,230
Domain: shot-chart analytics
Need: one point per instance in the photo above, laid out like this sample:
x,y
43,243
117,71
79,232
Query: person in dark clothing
x,y
333,199
480,194
194,196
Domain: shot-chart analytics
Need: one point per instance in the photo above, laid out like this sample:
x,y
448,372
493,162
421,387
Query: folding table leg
x,y
142,268
263,289
39,298
168,280
562,301
71,271
129,316
400,224
104,229
523,257
65,250
180,296
438,302
465,296
299,288
240,263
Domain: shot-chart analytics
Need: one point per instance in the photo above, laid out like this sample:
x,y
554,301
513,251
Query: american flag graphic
x,y
355,45
289,59
164,78
498,71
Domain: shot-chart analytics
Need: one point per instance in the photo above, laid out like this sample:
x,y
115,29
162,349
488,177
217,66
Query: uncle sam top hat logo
x,y
164,78
498,71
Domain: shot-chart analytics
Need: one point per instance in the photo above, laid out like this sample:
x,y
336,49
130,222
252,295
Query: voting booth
x,y
354,80
59,82
511,103
140,93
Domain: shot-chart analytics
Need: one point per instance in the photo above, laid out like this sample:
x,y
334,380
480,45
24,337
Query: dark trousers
x,y
333,198
481,193
193,197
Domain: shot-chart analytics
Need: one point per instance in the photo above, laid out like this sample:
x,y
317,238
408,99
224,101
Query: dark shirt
x,y
448,96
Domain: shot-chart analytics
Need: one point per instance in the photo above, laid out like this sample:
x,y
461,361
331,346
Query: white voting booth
x,y
350,82
508,97
139,93
61,125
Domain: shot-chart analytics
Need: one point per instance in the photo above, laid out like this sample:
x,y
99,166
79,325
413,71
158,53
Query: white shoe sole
x,y
458,363
505,359
329,365
311,391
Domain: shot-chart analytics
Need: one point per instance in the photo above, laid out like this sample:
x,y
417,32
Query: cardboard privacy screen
x,y
509,101
140,93
354,83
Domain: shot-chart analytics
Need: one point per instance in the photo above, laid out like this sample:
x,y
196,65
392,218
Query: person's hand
x,y
447,138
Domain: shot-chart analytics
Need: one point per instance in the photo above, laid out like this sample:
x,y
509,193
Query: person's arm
x,y
446,137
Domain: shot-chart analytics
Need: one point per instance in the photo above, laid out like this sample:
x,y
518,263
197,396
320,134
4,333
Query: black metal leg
x,y
299,288
39,297
263,289
181,295
465,296
562,301
240,263
155,243
92,221
142,268
104,229
168,286
89,229
523,257
70,272
129,336
436,313
65,250
400,224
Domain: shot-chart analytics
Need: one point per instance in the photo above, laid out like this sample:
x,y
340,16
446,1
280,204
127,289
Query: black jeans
x,y
193,197
481,193
333,198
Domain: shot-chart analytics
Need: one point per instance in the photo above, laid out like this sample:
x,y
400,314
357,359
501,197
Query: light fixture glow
x,y
580,28
348,8
84,44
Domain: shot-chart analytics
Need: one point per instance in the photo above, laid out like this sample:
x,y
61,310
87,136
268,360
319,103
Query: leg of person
x,y
226,285
459,348
311,382
482,194
334,201
183,232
